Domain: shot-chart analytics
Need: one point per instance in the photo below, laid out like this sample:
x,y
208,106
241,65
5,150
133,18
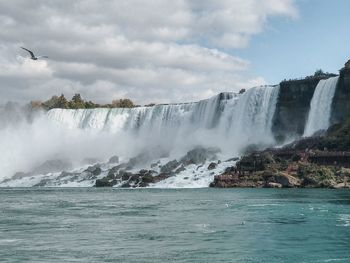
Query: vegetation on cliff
x,y
319,74
77,102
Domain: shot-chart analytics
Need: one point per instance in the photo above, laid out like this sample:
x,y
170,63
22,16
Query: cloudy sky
x,y
164,50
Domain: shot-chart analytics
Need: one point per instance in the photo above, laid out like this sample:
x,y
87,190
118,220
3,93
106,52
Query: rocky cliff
x,y
293,105
294,99
341,105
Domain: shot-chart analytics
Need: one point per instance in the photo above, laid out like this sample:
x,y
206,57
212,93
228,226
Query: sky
x,y
161,51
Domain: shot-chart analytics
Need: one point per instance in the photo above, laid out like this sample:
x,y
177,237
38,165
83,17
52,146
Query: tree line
x,y
77,102
318,74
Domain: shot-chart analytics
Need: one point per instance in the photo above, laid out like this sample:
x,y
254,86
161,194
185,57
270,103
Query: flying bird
x,y
32,56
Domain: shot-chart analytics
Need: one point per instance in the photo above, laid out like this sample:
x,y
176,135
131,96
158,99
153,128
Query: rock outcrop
x,y
293,106
341,105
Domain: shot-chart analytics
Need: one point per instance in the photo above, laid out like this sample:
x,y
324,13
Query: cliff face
x,y
341,105
293,106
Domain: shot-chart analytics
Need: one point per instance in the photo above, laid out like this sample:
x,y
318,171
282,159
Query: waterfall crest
x,y
202,114
320,106
226,120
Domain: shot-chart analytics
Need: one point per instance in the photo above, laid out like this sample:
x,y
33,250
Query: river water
x,y
189,225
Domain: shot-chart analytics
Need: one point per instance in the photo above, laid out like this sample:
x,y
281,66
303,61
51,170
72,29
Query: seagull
x,y
32,56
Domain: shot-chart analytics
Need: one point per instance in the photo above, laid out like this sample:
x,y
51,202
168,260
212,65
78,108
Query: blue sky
x,y
293,48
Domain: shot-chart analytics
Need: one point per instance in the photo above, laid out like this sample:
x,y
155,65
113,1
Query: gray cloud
x,y
159,51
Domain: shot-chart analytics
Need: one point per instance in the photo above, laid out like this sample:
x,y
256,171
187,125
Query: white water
x,y
248,120
228,121
320,107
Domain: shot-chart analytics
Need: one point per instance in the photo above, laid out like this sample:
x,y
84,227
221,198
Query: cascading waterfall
x,y
228,121
249,119
320,107
202,114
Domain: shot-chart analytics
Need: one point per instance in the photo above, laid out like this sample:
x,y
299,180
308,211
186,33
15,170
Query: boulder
x,y
286,180
123,175
169,166
180,169
114,170
95,169
148,179
212,166
104,182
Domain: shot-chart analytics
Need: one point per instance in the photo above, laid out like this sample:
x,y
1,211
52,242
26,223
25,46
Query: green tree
x,y
77,102
51,103
122,103
319,72
62,102
91,105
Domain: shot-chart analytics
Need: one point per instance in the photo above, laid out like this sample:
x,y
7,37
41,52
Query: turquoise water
x,y
205,225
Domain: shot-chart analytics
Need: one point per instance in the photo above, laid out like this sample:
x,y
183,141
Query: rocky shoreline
x,y
317,162
273,171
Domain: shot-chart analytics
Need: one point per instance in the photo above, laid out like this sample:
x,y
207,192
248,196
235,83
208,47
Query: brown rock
x,y
286,180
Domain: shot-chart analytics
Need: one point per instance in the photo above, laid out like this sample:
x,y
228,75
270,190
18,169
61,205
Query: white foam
x,y
194,176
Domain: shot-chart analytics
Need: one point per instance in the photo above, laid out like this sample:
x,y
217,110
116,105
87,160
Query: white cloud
x,y
154,50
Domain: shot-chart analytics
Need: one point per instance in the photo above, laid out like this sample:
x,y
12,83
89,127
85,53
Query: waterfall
x,y
229,121
225,120
249,119
320,107
203,114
